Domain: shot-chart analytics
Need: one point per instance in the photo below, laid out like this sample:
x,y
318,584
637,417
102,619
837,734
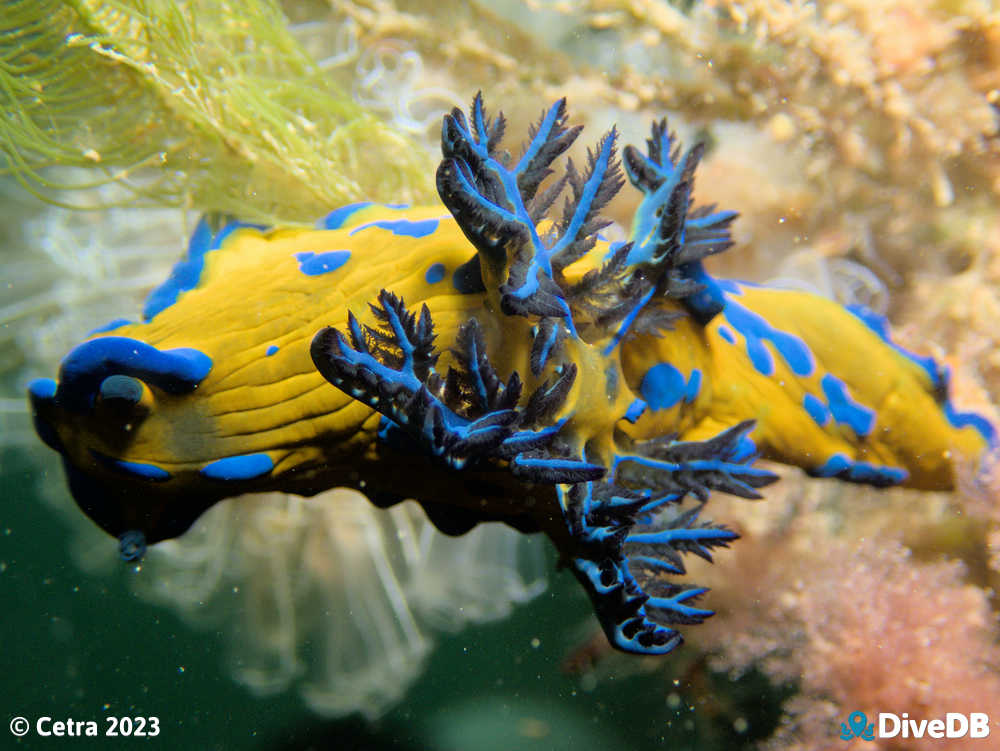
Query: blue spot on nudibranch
x,y
707,302
756,330
845,409
271,350
313,264
435,273
841,467
336,218
176,371
245,467
397,205
693,386
187,273
135,469
42,388
111,326
403,227
662,386
727,334
816,409
635,410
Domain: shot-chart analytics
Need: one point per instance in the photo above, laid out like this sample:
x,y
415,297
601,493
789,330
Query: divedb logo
x,y
954,725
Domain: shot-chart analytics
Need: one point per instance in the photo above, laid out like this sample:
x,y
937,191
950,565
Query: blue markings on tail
x,y
938,375
816,409
880,325
964,419
845,409
756,330
842,468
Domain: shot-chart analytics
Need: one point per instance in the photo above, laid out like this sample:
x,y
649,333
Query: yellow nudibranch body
x,y
855,400
545,376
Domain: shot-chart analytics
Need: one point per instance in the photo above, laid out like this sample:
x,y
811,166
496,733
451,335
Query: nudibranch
x,y
497,359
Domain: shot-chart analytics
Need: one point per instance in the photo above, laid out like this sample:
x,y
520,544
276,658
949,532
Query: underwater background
x,y
859,141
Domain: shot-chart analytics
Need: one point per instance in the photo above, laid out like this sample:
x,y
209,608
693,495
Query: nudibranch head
x,y
106,391
213,393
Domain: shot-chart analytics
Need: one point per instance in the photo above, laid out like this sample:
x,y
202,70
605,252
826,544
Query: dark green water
x,y
87,648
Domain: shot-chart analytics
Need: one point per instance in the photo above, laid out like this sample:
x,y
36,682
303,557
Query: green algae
x,y
205,104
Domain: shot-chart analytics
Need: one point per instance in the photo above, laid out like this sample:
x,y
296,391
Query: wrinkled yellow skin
x,y
911,430
252,296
